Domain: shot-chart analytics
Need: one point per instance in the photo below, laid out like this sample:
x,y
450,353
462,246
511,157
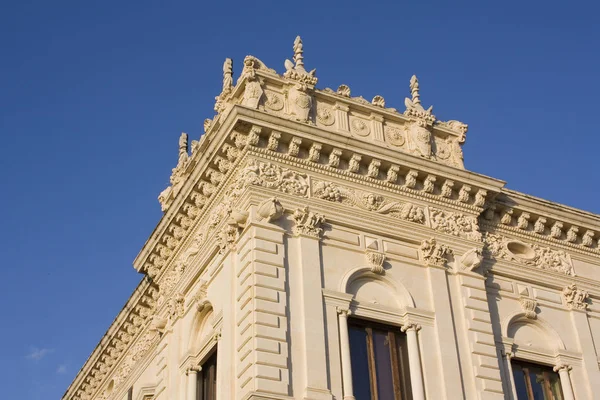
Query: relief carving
x,y
308,222
532,255
369,202
434,253
394,135
576,299
375,260
455,224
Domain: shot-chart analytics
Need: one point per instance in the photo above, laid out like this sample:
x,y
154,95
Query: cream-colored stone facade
x,y
299,209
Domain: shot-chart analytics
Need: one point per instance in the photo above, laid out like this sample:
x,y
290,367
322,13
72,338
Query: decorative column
x,y
565,380
414,360
192,383
510,380
345,353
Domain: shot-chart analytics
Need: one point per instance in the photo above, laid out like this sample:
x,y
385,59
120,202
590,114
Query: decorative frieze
x,y
454,223
368,202
532,255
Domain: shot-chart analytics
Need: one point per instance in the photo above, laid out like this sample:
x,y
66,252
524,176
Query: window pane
x,y
544,382
537,384
520,386
360,362
383,365
403,367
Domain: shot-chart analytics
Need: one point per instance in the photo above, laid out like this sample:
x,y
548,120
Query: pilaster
x,y
261,313
305,267
477,320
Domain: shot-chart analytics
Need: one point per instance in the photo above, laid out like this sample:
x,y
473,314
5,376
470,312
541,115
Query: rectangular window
x,y
379,362
207,379
536,382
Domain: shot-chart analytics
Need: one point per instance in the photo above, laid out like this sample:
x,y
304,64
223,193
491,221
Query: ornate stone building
x,y
316,245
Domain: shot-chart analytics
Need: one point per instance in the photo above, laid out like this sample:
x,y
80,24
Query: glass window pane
x,y
555,387
383,365
360,362
537,383
520,386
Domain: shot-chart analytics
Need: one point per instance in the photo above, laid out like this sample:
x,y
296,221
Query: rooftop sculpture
x,y
293,96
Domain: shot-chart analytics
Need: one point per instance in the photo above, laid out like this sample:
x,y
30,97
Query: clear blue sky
x,y
94,95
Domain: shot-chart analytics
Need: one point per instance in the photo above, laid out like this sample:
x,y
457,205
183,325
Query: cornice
x,y
116,342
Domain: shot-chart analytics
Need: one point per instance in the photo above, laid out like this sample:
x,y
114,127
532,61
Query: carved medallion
x,y
360,127
325,115
273,102
394,135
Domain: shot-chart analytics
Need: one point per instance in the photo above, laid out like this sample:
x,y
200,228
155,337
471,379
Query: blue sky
x,y
94,95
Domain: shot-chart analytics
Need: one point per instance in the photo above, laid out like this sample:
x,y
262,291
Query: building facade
x,y
320,246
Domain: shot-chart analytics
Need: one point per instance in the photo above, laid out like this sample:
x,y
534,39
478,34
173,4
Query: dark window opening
x,y
536,382
379,362
207,379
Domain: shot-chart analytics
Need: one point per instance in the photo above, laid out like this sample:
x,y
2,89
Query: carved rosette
x,y
359,127
325,115
273,101
394,135
308,223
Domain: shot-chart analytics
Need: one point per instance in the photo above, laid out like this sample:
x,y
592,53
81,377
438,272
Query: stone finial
x,y
414,90
295,69
413,105
378,101
344,90
298,50
183,146
227,75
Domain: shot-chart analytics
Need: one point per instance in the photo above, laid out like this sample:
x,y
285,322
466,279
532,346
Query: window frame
x,y
546,370
211,358
398,357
